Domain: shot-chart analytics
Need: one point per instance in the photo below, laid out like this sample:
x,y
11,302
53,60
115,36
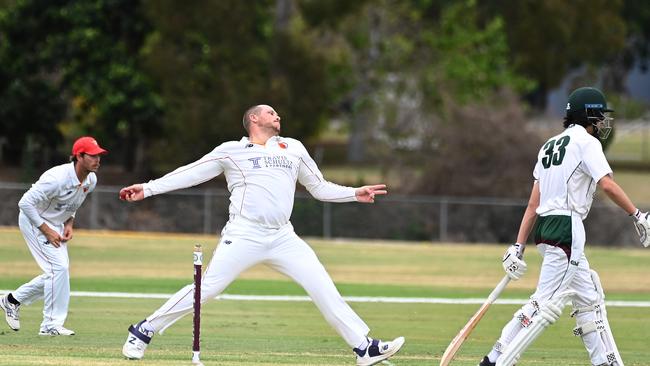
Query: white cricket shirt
x,y
568,169
261,178
56,196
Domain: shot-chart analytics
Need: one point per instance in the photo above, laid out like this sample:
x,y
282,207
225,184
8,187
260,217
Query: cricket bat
x,y
457,342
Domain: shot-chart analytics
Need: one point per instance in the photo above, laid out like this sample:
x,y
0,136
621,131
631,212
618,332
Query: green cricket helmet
x,y
588,106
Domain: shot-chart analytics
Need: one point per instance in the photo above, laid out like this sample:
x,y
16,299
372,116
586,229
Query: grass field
x,y
294,333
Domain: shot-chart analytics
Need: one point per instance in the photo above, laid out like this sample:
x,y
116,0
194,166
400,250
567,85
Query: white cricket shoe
x,y
12,313
378,351
136,342
56,331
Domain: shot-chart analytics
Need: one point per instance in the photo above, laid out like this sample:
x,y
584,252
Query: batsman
x,y
569,168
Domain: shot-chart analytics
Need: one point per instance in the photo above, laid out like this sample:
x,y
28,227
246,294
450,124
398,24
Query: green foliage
x,y
473,58
637,19
549,38
72,67
154,77
627,108
211,69
439,81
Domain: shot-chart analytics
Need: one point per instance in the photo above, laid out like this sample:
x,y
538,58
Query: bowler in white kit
x,y
261,171
46,219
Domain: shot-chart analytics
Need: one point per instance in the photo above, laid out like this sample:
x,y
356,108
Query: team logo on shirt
x,y
256,162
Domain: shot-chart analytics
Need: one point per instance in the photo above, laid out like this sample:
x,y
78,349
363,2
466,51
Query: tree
x,y
438,104
72,67
549,38
211,69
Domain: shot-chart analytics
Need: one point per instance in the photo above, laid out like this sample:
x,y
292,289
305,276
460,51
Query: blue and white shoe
x,y
56,331
136,342
378,351
12,313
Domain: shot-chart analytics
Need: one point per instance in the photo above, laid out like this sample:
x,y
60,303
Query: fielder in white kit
x,y
261,171
46,219
569,167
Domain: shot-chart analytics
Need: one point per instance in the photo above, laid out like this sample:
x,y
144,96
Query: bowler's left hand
x,y
366,194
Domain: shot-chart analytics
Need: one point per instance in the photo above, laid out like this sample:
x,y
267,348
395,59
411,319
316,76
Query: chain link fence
x,y
395,217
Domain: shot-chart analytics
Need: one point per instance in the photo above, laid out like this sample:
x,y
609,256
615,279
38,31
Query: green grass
x,y
294,333
635,185
631,145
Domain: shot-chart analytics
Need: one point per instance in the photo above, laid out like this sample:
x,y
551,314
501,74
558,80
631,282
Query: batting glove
x,y
512,263
642,226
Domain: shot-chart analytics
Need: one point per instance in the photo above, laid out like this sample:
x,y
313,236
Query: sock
x,y
12,299
364,344
146,326
361,349
493,355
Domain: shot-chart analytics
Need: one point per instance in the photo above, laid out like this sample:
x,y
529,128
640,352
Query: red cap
x,y
87,145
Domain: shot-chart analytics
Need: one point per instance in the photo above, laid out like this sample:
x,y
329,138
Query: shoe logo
x,y
227,242
132,340
384,348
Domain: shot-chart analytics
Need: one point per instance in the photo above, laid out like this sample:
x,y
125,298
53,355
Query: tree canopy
x,y
70,68
162,82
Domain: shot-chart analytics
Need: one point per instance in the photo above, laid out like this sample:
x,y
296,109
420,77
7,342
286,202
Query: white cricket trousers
x,y
244,244
53,286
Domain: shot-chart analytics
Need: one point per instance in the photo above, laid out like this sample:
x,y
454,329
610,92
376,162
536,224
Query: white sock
x,y
493,355
364,344
147,326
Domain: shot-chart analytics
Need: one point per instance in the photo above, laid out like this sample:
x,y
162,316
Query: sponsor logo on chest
x,y
71,199
273,161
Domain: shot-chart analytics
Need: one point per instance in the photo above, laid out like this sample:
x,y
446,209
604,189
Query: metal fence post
x,y
94,210
327,220
444,218
207,211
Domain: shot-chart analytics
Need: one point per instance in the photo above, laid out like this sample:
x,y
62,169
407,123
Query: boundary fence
x,y
394,217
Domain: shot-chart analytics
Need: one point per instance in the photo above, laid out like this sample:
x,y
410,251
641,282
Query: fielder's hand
x,y
512,263
642,226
